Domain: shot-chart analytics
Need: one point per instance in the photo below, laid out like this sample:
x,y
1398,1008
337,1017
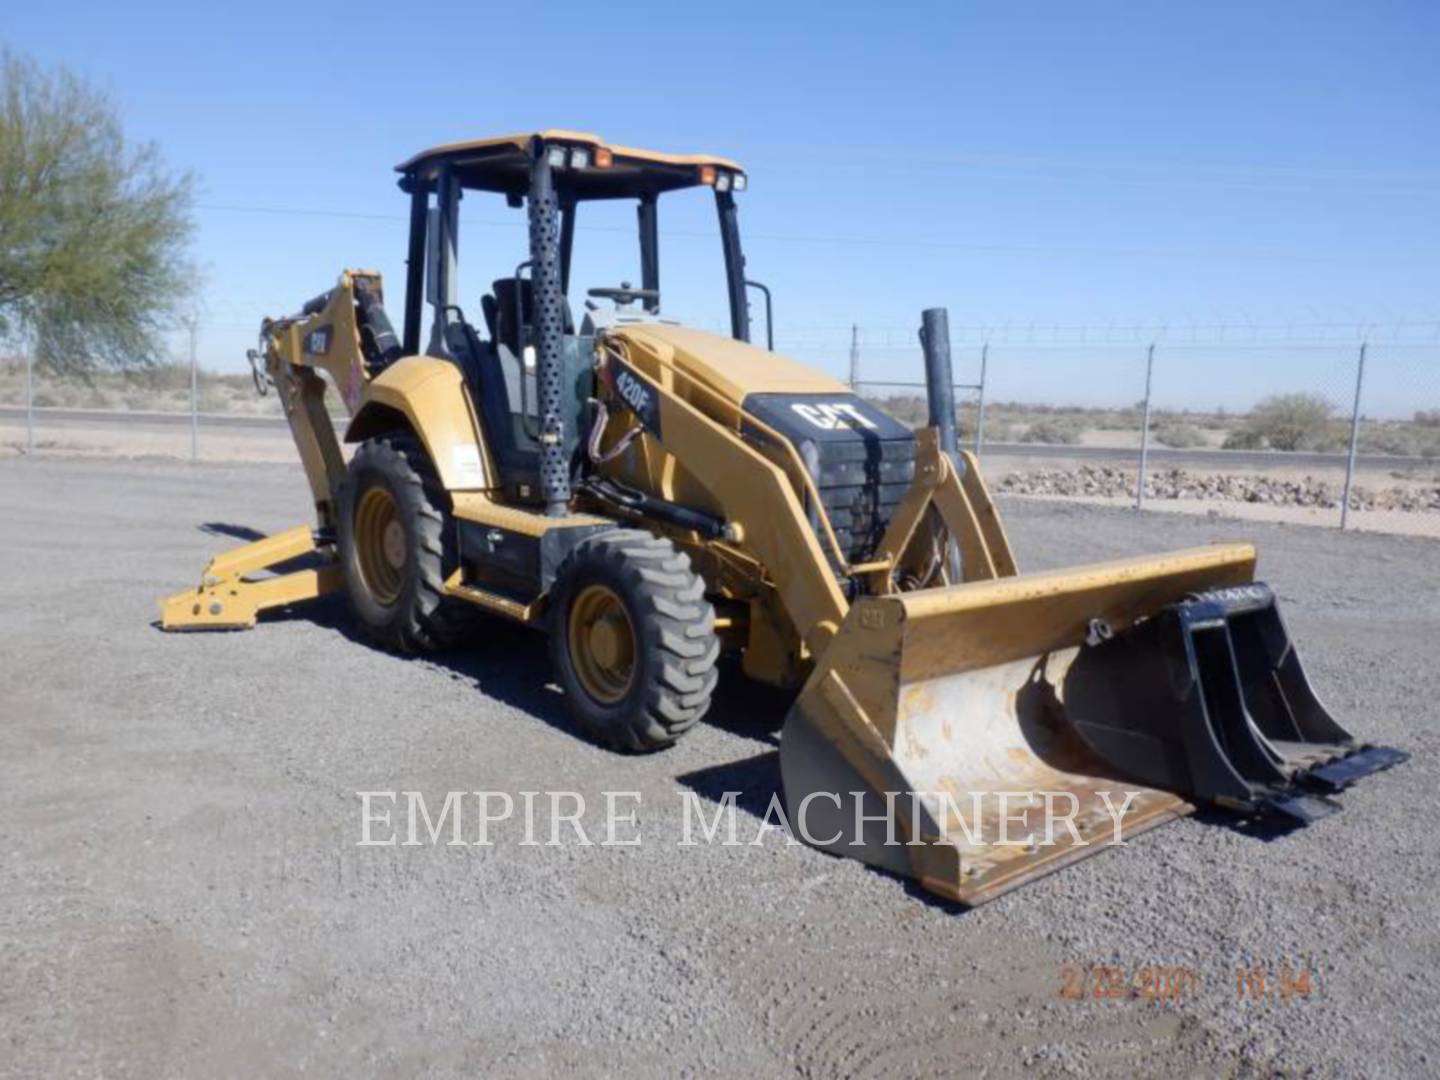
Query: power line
x,y
1262,255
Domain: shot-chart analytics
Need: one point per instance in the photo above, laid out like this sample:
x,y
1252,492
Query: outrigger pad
x,y
1207,698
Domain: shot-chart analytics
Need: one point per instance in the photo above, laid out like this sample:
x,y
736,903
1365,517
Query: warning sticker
x,y
465,464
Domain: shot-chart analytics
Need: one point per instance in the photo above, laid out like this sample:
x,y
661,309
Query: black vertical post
x,y
939,379
734,266
567,242
550,327
444,246
649,248
415,264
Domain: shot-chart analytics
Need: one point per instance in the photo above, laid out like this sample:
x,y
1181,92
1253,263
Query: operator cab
x,y
549,174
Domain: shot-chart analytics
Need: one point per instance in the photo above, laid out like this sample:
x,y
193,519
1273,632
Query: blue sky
x,y
1026,165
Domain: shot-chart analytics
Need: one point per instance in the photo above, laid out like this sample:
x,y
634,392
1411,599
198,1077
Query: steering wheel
x,y
625,294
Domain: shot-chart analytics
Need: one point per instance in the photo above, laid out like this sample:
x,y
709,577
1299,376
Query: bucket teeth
x,y
1339,775
1207,698
1300,809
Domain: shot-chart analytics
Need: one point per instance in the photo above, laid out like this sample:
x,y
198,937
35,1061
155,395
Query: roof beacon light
x,y
722,181
707,175
579,158
603,158
556,154
740,182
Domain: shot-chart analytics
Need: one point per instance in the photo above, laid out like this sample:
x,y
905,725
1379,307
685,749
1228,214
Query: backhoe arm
x,y
329,334
325,335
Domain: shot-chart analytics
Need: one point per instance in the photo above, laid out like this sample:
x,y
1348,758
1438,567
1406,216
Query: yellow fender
x,y
432,400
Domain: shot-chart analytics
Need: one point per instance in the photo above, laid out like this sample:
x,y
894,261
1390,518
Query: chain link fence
x,y
1222,422
1339,433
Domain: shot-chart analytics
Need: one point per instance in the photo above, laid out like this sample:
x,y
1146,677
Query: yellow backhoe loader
x,y
653,495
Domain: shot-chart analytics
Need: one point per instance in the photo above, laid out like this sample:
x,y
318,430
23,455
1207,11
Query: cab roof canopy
x,y
502,164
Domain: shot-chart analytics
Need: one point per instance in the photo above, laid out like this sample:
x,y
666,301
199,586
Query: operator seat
x,y
501,312
497,372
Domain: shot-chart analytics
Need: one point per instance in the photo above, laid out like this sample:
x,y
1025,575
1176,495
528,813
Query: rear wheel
x,y
397,545
633,639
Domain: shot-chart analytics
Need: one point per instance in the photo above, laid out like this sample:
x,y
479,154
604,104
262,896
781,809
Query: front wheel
x,y
633,639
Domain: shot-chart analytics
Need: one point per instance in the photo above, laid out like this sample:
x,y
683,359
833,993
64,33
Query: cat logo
x,y
317,342
830,416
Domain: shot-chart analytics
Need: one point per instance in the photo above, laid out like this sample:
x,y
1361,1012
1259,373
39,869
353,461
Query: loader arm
x,y
760,497
760,504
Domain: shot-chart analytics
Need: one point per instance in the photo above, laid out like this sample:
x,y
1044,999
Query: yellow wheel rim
x,y
381,546
602,643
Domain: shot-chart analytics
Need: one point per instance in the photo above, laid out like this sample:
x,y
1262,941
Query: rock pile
x,y
1105,481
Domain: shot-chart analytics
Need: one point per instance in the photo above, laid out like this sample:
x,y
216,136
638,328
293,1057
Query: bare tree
x,y
94,230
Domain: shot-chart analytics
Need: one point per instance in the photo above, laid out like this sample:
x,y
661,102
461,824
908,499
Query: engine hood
x,y
731,369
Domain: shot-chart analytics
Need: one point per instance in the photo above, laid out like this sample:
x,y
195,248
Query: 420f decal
x,y
637,393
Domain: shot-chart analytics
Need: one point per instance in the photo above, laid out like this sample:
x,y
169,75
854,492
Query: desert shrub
x,y
1386,440
1290,421
1127,419
1178,434
1243,439
909,410
46,401
999,431
136,401
1333,436
1054,430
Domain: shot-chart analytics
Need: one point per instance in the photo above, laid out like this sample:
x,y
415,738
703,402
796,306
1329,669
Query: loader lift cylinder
x,y
549,329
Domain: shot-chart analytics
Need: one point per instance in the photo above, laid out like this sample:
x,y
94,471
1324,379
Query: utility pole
x,y
29,402
980,399
1354,438
1145,430
854,358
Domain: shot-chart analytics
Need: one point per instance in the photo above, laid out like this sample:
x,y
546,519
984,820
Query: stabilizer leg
x,y
227,598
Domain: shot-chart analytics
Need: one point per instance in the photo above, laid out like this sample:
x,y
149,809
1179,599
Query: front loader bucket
x,y
969,736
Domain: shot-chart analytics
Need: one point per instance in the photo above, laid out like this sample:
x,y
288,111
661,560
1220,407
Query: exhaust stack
x,y
940,378
549,329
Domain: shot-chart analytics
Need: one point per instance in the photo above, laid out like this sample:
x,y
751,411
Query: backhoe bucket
x,y
231,597
977,736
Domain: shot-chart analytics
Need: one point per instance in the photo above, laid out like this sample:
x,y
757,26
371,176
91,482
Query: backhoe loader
x,y
653,495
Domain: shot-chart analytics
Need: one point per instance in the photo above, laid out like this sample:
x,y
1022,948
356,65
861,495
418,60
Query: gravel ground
x,y
183,893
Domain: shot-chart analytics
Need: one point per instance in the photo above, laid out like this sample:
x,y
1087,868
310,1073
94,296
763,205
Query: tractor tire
x,y
397,546
633,639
